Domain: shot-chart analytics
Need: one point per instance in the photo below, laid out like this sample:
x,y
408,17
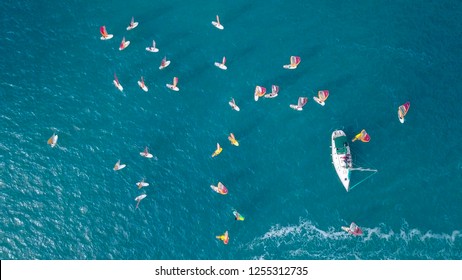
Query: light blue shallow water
x,y
68,203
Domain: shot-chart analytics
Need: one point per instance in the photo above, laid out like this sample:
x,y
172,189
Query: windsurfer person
x,y
224,237
237,216
142,184
233,140
401,115
233,105
221,188
217,151
353,229
274,92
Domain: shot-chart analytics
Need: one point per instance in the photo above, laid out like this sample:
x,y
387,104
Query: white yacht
x,y
341,157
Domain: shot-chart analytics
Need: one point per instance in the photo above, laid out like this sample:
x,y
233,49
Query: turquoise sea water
x,y
67,202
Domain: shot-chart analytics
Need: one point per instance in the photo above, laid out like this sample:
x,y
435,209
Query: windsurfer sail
x,y
117,83
53,140
164,63
220,188
142,184
153,47
142,85
259,92
123,44
237,216
301,102
221,65
363,136
173,86
294,62
118,166
217,151
233,105
146,153
217,23
402,111
132,24
224,237
274,92
322,96
104,34
233,140
353,229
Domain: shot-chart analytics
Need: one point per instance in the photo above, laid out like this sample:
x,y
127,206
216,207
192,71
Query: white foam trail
x,y
306,240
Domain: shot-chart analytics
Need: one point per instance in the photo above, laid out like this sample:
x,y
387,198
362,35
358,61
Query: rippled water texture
x,y
67,202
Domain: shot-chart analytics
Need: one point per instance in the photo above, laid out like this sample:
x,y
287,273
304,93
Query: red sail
x,y
103,31
363,136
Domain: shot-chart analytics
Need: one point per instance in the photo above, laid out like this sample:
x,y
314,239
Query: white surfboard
x,y
288,66
301,102
124,45
214,188
117,83
138,199
174,85
322,103
233,105
274,92
146,154
153,47
119,166
122,166
143,86
107,37
294,62
132,25
296,107
217,23
164,64
142,184
221,66
118,86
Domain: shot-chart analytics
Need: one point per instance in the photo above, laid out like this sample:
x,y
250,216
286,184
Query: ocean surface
x,y
67,202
